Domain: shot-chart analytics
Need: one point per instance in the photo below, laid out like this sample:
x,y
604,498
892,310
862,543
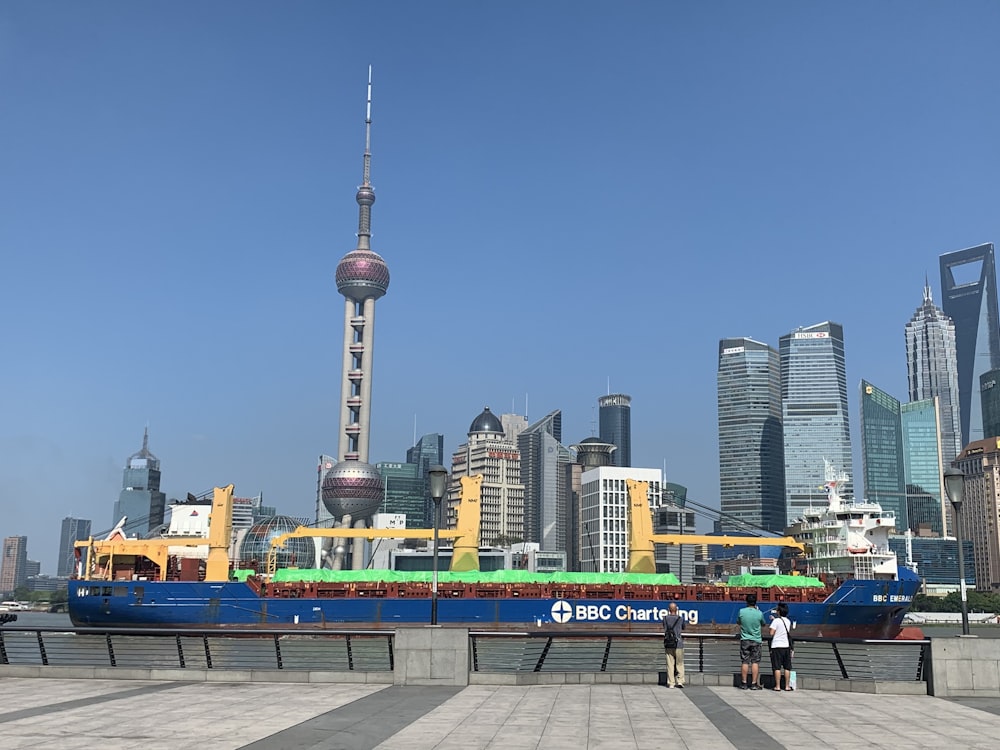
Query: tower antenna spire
x,y
366,194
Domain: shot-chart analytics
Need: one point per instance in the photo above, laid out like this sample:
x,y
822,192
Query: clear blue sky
x,y
567,192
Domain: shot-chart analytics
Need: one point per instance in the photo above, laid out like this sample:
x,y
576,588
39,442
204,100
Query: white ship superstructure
x,y
846,538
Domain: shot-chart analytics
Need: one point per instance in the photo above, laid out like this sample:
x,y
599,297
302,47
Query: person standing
x,y
750,620
781,647
673,644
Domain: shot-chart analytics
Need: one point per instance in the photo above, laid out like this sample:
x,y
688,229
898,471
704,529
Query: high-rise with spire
x,y
352,490
932,369
140,500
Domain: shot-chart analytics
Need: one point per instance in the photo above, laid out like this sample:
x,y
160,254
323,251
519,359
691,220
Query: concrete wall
x,y
965,667
431,655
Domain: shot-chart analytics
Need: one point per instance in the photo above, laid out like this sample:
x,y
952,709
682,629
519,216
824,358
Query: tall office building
x,y
751,443
969,292
428,451
813,412
13,566
352,489
543,474
932,368
604,515
615,425
513,425
882,451
501,502
989,399
980,462
73,530
405,489
140,499
324,518
923,467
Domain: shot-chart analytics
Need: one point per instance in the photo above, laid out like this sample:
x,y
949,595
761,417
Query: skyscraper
x,y
989,398
813,412
615,417
923,467
882,451
932,368
13,566
140,499
405,489
428,451
543,473
501,502
751,444
352,490
969,292
73,530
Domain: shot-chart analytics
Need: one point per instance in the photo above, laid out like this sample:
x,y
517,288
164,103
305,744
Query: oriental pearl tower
x,y
352,490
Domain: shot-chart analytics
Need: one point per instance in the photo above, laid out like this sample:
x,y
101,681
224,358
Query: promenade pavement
x,y
118,715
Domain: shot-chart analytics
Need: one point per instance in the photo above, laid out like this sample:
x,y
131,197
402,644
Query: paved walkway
x,y
115,715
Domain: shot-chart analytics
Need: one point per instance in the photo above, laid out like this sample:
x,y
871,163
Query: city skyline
x,y
205,200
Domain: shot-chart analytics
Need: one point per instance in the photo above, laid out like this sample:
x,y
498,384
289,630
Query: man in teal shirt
x,y
750,619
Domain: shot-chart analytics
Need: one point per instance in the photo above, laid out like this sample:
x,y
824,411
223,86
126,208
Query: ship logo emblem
x,y
562,611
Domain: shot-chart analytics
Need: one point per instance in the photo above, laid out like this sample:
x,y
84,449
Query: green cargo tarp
x,y
241,574
290,575
775,580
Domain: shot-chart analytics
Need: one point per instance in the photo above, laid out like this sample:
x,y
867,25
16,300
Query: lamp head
x,y
954,486
438,476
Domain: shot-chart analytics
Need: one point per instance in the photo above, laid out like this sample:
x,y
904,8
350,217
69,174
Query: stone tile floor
x,y
120,715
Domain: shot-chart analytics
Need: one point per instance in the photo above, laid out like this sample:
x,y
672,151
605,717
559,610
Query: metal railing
x,y
163,648
708,653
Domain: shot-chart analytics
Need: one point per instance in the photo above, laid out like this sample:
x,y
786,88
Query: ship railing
x,y
705,653
340,650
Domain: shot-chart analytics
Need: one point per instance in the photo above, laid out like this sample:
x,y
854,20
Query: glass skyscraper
x,y
405,489
543,472
751,443
140,499
932,369
615,416
813,412
923,466
969,292
73,530
428,451
882,451
989,397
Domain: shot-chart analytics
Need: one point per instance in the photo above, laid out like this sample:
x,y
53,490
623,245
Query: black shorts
x,y
781,658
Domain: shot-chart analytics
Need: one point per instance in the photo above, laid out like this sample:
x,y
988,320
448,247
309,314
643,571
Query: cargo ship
x,y
139,583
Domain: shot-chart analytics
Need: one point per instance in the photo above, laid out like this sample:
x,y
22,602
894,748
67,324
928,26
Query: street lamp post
x,y
438,476
954,487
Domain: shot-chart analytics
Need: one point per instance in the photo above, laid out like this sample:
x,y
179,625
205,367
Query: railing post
x,y
208,652
111,649
350,653
41,648
701,655
277,649
3,649
180,651
475,653
392,653
840,662
541,656
607,651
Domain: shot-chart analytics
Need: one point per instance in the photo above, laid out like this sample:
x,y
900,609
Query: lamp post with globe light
x,y
438,476
954,488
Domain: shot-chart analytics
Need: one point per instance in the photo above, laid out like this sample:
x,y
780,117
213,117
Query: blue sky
x,y
567,193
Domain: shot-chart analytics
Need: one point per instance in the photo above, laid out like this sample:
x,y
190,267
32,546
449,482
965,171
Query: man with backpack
x,y
673,644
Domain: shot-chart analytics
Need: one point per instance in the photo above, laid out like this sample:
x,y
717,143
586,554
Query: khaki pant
x,y
675,662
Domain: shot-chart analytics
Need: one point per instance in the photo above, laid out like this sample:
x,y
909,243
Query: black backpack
x,y
669,635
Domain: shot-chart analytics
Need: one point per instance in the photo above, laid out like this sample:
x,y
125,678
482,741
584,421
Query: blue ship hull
x,y
857,609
